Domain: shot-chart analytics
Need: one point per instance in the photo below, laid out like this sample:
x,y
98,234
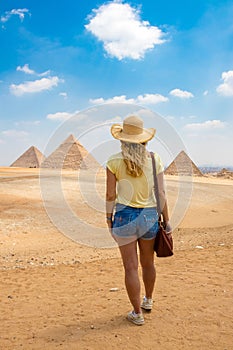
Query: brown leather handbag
x,y
163,245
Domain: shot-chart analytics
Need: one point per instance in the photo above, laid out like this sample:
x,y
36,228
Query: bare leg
x,y
132,283
147,262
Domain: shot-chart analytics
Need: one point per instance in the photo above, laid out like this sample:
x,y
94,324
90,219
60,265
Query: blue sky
x,y
172,57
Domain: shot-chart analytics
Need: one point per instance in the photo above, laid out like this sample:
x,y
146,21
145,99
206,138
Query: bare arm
x,y
110,196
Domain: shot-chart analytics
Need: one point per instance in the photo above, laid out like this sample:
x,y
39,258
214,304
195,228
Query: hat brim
x,y
146,135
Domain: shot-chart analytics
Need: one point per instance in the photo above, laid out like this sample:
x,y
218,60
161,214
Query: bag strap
x,y
156,187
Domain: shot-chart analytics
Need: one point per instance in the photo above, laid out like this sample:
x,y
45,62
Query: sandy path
x,y
56,293
72,307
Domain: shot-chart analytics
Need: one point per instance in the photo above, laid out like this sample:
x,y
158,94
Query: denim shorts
x,y
135,222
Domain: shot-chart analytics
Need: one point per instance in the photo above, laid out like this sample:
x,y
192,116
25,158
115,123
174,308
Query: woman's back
x,y
134,191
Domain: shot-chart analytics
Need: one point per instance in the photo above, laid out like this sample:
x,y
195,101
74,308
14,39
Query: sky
x,y
63,58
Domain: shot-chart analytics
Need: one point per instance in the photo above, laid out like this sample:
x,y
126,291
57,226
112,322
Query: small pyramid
x,y
227,174
32,158
183,165
70,155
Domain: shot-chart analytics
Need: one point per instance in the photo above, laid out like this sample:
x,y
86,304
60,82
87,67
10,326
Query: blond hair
x,y
134,155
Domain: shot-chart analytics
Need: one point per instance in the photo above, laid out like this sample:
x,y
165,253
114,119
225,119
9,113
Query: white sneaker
x,y
137,319
147,304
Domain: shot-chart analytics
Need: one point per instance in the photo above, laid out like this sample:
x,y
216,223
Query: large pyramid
x,y
183,165
32,158
70,155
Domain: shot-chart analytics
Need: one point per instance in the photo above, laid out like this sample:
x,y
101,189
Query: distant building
x,y
70,155
227,174
183,165
32,158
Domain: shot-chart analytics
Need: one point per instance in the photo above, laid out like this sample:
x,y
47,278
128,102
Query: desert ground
x,y
61,292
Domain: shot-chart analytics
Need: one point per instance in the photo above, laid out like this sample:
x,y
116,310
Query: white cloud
x,y
122,32
59,116
226,89
34,86
47,72
207,125
98,101
27,70
181,93
205,93
115,99
63,94
19,12
15,133
141,99
151,99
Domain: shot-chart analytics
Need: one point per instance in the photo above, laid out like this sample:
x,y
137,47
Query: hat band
x,y
132,129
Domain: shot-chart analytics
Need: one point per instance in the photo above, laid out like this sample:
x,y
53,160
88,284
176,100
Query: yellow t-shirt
x,y
138,191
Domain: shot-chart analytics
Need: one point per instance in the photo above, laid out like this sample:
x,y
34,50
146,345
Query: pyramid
x,y
70,155
183,165
225,173
32,158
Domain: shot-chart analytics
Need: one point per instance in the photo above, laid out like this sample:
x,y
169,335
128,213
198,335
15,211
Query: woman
x,y
131,209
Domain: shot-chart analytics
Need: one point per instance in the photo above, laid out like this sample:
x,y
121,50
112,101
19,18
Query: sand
x,y
57,293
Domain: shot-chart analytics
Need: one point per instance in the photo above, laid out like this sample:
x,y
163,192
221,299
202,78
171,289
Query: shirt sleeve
x,y
111,164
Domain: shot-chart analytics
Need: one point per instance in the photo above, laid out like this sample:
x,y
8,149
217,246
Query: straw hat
x,y
132,131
